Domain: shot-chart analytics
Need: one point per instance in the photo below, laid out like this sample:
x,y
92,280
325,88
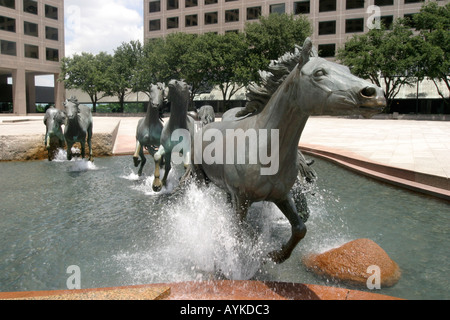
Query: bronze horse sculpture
x,y
206,115
53,121
179,96
314,86
79,126
149,129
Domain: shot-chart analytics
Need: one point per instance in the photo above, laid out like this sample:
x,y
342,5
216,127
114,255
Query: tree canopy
x,y
229,61
87,73
412,50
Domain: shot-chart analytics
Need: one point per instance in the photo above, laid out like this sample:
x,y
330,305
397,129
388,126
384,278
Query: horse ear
x,y
166,91
306,52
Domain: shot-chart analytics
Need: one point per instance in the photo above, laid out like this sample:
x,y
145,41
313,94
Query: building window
x,y
51,12
8,3
413,1
30,6
51,33
31,51
172,4
409,20
172,23
8,48
155,25
52,54
191,3
278,8
253,13
354,4
155,6
327,5
30,29
327,50
7,24
210,1
327,27
387,21
354,25
302,7
211,18
384,2
232,15
191,20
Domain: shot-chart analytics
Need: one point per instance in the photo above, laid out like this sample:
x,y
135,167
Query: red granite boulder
x,y
352,263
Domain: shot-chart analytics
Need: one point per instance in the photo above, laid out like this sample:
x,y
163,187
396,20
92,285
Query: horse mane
x,y
258,95
73,99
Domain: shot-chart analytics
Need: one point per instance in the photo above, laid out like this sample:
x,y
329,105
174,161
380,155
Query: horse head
x,y
178,91
157,95
53,121
71,106
331,89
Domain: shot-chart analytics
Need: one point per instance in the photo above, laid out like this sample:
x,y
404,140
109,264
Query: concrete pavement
x,y
411,153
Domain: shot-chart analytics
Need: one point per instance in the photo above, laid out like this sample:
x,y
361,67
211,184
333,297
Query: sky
x,y
99,25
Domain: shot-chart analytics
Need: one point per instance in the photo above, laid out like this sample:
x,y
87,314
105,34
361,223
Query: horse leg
x,y
167,167
287,206
47,141
157,185
143,161
47,146
240,207
83,147
69,150
136,154
91,157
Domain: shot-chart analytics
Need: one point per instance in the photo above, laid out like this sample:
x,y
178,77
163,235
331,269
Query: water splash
x,y
144,183
327,228
199,238
76,164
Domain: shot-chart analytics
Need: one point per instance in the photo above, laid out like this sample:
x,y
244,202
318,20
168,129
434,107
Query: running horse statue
x,y
204,115
54,135
148,132
315,86
179,120
79,125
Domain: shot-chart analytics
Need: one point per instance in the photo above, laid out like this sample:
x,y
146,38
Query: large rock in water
x,y
350,263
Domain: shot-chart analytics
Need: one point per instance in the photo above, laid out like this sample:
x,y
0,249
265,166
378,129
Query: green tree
x,y
152,66
218,60
232,67
388,58
274,35
161,61
433,24
122,70
88,73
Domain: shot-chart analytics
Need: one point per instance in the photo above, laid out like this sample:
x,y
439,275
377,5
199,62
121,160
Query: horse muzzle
x,y
372,101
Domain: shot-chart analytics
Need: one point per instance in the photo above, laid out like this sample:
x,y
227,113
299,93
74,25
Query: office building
x,y
333,21
31,44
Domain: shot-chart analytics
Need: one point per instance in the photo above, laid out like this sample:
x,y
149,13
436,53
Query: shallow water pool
x,y
107,221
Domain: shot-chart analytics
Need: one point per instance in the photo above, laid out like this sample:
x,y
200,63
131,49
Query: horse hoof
x,y
157,188
277,257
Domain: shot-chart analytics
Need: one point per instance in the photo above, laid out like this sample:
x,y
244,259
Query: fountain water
x,y
108,221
